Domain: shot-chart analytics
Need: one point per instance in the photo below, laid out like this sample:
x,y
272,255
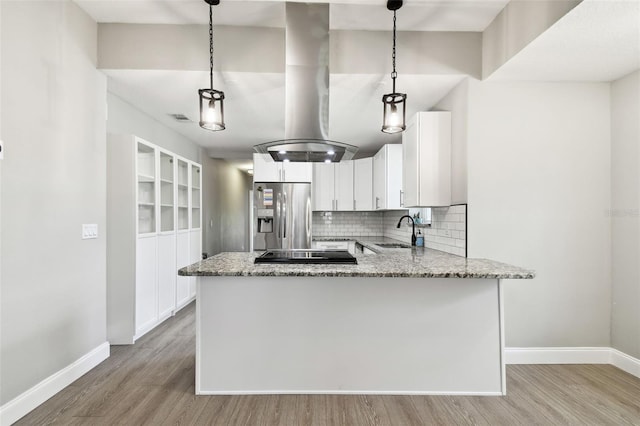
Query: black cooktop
x,y
306,257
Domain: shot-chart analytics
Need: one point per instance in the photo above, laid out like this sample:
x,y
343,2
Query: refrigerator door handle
x,y
284,214
279,214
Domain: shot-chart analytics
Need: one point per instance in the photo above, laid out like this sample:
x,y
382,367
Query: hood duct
x,y
307,90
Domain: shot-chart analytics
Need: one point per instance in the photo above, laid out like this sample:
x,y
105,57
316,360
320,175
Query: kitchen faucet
x,y
413,228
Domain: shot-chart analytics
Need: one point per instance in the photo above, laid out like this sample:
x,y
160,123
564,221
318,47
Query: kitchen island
x,y
403,321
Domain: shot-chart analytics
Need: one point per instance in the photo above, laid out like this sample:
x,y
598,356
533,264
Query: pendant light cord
x,y
211,45
394,74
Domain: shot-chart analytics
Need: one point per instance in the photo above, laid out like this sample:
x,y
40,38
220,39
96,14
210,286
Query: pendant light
x,y
393,117
211,106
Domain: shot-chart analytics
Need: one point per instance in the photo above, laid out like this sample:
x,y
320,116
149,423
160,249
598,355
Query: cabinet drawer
x,y
332,245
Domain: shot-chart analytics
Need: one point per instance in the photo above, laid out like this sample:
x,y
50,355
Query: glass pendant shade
x,y
211,109
393,118
211,100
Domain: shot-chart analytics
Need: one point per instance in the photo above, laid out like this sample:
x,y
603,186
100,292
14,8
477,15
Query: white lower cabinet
x,y
146,314
335,245
167,267
195,255
183,291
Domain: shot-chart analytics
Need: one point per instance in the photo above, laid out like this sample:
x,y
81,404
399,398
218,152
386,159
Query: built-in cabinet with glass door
x,y
153,206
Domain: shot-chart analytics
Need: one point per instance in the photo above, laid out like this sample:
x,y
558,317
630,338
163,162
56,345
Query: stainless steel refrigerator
x,y
281,215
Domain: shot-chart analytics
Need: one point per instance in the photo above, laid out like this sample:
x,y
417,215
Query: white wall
x,y
53,300
625,213
225,198
124,118
538,188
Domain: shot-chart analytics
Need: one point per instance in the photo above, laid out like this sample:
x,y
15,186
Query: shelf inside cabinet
x,y
142,178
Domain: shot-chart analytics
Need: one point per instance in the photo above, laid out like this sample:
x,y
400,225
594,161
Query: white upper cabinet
x,y
343,185
333,186
387,177
322,188
363,184
267,170
426,151
296,172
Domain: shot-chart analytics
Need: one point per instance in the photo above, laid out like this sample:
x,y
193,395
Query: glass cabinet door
x,y
183,194
166,192
195,197
146,182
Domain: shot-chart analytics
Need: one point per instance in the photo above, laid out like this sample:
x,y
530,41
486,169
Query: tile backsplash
x,y
356,224
447,233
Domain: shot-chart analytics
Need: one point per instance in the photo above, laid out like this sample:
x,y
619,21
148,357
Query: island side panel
x,y
348,335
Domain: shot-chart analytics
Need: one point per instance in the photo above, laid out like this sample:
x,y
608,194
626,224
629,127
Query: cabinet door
x,y
265,169
322,186
394,177
331,245
183,259
195,255
196,196
167,191
379,179
363,183
296,172
343,185
146,188
434,136
410,158
146,314
182,197
166,275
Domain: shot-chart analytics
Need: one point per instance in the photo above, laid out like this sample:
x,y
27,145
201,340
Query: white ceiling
x,y
599,40
415,15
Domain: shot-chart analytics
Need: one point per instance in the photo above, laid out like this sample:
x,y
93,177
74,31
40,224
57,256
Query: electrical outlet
x,y
89,231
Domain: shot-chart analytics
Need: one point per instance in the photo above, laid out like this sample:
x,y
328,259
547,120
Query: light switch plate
x,y
89,231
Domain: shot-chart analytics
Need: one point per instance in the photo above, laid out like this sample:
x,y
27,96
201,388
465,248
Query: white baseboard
x,y
573,356
557,355
27,401
625,362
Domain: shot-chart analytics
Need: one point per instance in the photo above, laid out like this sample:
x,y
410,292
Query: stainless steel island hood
x,y
307,90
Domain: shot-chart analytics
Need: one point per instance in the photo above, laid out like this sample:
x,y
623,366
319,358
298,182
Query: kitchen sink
x,y
393,245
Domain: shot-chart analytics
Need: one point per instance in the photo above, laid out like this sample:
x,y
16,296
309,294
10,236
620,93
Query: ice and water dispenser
x,y
265,220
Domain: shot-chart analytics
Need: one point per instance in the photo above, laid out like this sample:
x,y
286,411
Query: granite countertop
x,y
416,262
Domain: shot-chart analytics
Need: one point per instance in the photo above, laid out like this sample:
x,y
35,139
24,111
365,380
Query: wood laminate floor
x,y
152,383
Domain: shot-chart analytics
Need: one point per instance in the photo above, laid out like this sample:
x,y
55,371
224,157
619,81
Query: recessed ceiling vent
x,y
181,118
